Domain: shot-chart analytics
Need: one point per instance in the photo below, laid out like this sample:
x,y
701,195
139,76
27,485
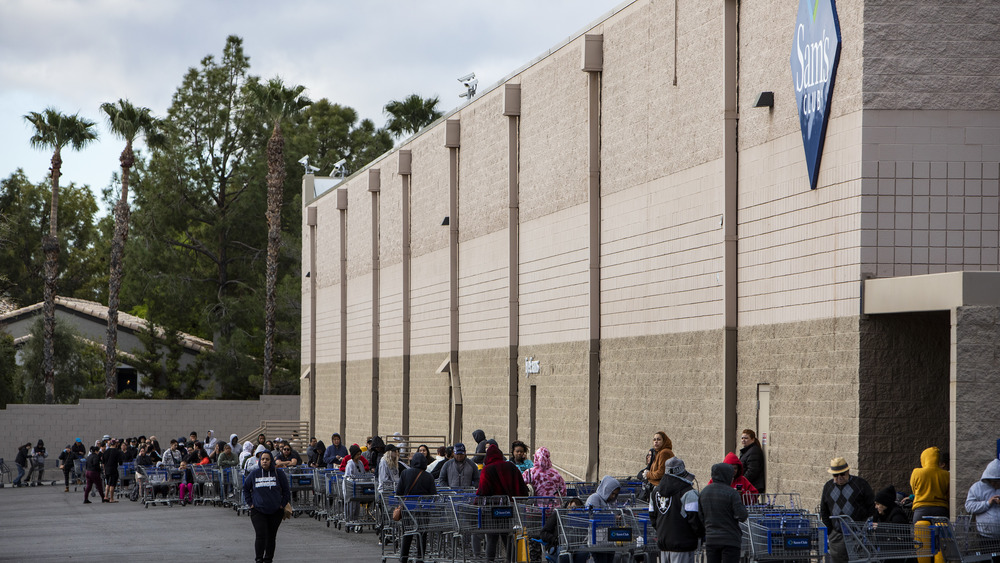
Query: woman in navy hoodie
x,y
267,489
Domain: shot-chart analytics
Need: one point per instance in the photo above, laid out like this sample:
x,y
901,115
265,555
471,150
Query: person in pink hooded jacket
x,y
543,477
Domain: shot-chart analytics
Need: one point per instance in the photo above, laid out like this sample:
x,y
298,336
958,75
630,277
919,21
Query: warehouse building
x,y
692,216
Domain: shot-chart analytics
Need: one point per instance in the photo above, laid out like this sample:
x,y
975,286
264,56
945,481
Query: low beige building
x,y
623,237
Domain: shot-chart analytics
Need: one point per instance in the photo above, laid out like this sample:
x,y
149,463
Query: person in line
x,y
519,456
460,471
353,467
929,484
21,460
983,502
288,457
361,460
550,531
93,474
173,456
499,478
887,509
606,493
336,452
267,492
673,511
752,458
245,454
315,458
481,443
390,469
112,460
66,460
544,478
234,442
227,458
663,449
186,487
443,455
415,481
210,440
844,495
79,449
37,461
742,485
721,509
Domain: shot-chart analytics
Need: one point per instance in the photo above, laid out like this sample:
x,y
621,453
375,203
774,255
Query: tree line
x,y
204,237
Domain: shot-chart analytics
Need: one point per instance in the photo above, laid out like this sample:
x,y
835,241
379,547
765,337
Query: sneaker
x,y
87,501
66,490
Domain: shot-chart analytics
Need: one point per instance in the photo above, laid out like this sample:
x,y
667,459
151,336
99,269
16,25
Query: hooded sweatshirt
x,y
721,509
600,497
929,482
415,480
267,490
500,477
978,502
543,477
740,483
334,454
480,437
674,512
247,452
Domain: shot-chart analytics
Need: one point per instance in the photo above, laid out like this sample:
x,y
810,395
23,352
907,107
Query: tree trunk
x,y
275,182
50,245
115,282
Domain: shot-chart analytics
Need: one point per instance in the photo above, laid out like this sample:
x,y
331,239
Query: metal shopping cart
x,y
300,481
532,515
334,498
477,518
967,540
608,531
793,536
359,502
869,542
428,522
160,485
208,484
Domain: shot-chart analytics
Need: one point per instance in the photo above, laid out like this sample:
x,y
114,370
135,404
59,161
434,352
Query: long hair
x,y
752,434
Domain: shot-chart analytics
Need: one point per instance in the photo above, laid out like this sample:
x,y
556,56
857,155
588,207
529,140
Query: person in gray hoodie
x,y
721,510
606,493
459,471
983,501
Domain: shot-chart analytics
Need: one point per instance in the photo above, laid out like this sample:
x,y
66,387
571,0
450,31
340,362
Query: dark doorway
x,y
127,379
903,390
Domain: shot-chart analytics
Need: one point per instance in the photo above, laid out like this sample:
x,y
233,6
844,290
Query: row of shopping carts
x,y
959,541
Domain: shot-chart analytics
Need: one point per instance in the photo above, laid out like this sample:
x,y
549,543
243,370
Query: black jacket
x,y
416,480
721,509
94,462
113,458
22,456
673,531
752,458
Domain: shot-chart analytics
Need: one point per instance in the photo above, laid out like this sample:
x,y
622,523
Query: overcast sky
x,y
76,54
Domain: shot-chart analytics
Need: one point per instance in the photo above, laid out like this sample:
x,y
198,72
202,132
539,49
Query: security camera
x,y
304,160
340,163
467,77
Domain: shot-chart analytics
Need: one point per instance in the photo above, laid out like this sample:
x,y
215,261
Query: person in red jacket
x,y
499,477
742,485
362,459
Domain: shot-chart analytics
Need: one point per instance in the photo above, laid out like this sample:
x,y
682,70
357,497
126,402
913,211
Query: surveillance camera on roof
x,y
467,77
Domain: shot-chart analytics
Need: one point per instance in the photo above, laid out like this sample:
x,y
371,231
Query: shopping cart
x,y
429,523
794,536
612,531
334,488
300,481
476,518
208,484
160,485
359,502
532,515
870,542
966,540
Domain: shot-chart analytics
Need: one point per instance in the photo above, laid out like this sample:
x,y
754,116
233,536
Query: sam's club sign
x,y
815,54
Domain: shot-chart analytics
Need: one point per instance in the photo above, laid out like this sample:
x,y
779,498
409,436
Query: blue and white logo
x,y
815,54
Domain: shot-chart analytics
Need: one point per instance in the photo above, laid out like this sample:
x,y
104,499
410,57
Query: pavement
x,y
41,524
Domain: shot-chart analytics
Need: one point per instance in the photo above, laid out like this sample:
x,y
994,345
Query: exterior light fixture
x,y
764,100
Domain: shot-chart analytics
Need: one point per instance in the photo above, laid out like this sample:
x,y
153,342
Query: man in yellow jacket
x,y
929,483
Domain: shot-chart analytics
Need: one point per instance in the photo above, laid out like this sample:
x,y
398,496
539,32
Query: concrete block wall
x,y
669,382
429,398
485,392
975,344
812,368
903,388
931,191
90,419
484,298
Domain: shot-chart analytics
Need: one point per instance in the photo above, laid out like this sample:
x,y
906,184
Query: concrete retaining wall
x,y
58,425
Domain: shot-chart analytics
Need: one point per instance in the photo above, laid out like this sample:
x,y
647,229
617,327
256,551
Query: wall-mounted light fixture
x,y
446,222
764,100
307,274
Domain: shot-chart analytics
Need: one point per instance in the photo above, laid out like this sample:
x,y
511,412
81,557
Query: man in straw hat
x,y
844,495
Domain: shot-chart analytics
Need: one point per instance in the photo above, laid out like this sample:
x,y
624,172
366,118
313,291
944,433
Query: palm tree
x,y
411,115
276,102
128,122
54,130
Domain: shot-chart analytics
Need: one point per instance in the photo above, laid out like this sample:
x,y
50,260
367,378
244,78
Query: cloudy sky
x,y
76,54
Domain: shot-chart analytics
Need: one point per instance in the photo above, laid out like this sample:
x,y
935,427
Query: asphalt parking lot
x,y
47,524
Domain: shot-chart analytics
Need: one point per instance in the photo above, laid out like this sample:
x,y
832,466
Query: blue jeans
x,y
20,473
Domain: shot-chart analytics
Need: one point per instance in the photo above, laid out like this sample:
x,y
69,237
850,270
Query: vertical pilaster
x,y
374,187
453,143
512,109
404,170
342,207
